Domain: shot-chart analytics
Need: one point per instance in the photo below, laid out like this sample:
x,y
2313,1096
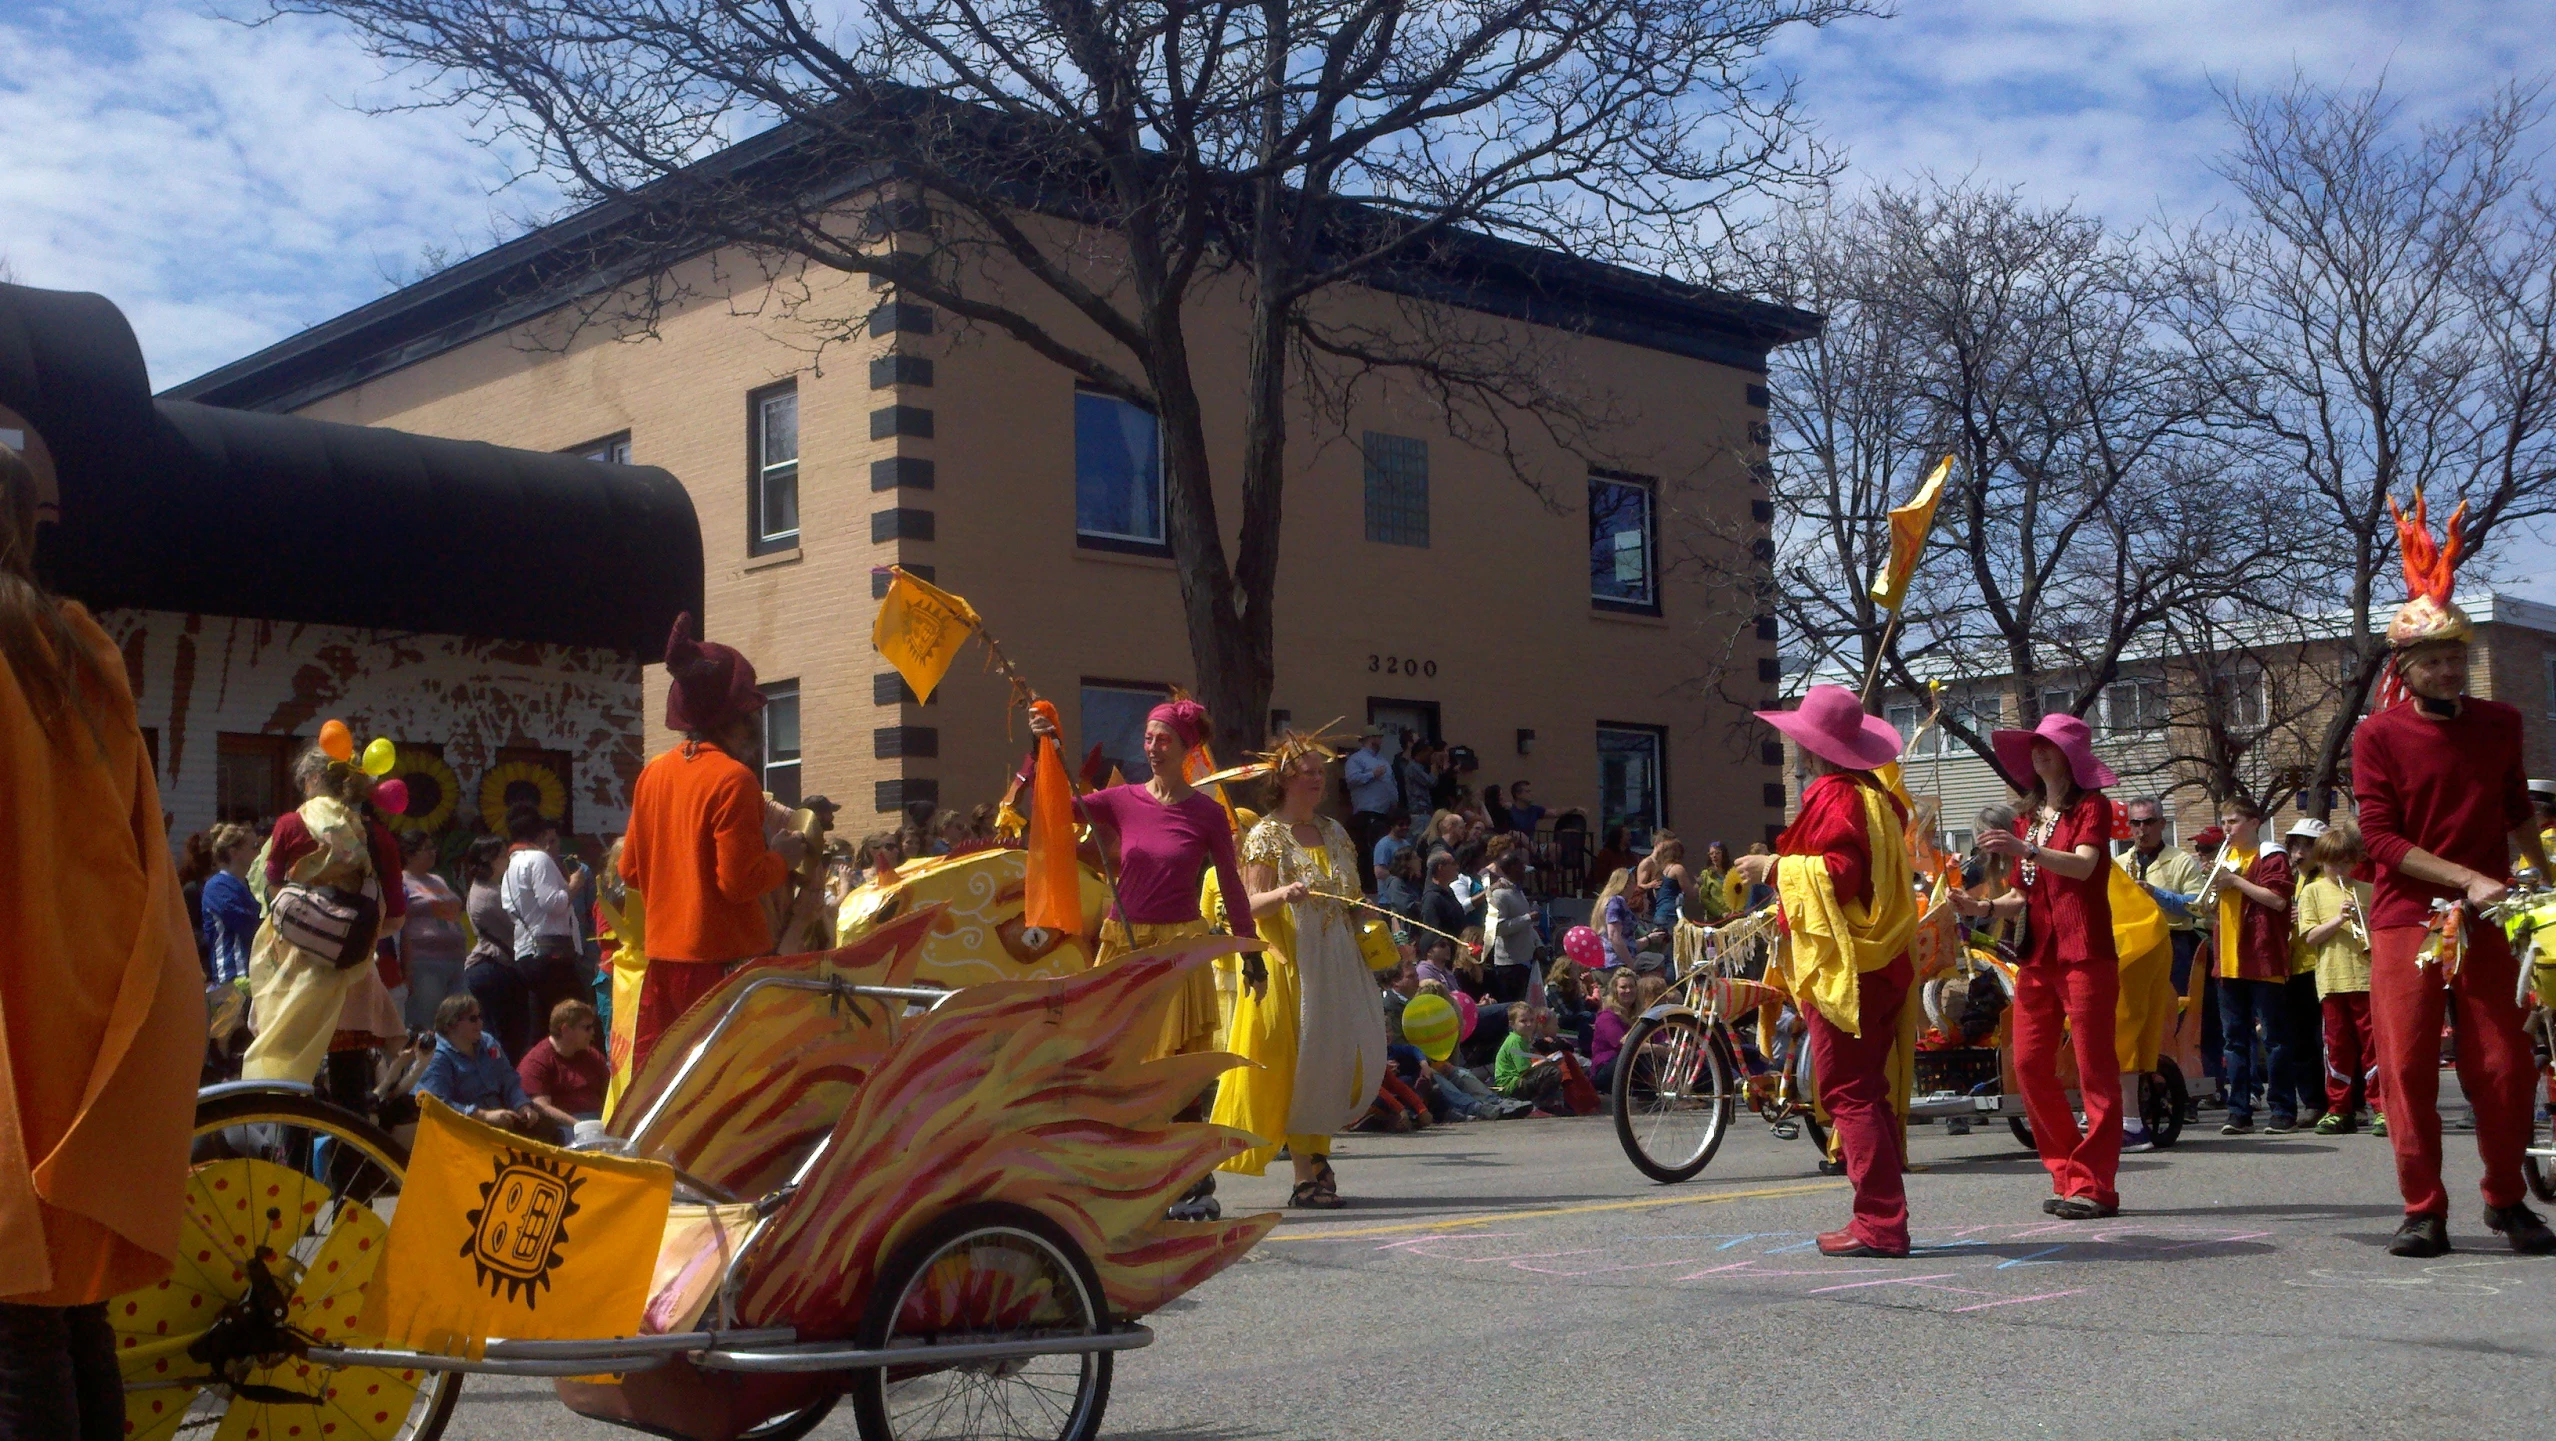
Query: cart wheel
x,y
1673,1101
986,1272
2162,1095
287,1204
2023,1133
2541,1177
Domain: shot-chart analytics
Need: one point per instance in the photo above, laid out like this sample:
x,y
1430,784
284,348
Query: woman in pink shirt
x,y
1165,836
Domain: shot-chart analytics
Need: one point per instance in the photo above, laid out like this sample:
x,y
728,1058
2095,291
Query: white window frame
x,y
1161,506
769,472
775,693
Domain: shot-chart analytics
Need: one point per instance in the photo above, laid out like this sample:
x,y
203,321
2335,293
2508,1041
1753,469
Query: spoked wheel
x,y
983,1273
1673,1098
287,1204
2023,1133
793,1426
1806,1086
2162,1095
2540,1171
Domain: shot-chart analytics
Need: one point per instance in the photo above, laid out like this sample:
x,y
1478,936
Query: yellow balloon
x,y
1430,1023
380,756
336,741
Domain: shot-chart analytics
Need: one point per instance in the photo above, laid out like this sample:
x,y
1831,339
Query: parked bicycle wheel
x,y
986,1272
2162,1095
286,1207
1673,1096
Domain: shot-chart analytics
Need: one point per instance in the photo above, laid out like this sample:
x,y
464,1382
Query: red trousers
x,y
1854,1084
2351,1055
2406,1002
667,989
2079,995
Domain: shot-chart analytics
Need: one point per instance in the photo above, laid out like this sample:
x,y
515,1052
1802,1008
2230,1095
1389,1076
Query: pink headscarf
x,y
1186,719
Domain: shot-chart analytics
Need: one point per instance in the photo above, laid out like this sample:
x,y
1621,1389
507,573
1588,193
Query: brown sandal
x,y
1310,1196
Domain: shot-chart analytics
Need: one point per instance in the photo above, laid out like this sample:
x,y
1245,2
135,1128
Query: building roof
x,y
543,269
173,505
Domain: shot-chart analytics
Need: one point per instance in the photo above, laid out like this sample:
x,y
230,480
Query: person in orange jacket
x,y
101,1003
695,847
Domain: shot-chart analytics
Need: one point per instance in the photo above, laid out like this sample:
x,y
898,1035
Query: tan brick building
x,y
1567,636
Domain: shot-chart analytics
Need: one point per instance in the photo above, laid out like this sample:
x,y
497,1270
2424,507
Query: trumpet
x,y
2360,923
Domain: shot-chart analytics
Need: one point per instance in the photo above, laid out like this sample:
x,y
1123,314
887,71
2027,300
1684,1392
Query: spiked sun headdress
x,y
2431,574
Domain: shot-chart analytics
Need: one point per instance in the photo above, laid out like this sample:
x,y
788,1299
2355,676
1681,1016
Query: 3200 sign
x,y
1400,665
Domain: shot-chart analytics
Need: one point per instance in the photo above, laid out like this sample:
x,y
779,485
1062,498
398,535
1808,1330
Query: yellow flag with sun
x,y
1909,526
920,629
500,1237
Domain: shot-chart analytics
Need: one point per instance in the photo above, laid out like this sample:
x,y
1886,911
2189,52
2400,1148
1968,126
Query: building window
x,y
611,450
1905,718
1118,473
2135,707
1623,544
781,741
1114,724
252,778
2058,700
1632,780
773,495
1397,488
2238,698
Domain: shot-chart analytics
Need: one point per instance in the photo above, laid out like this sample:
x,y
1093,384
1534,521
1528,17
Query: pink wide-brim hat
x,y
1833,725
2073,737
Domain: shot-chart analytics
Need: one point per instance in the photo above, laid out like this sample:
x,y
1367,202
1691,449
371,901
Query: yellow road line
x,y
1805,1189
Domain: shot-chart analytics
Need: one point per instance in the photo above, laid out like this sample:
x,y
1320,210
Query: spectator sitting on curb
x,y
471,1074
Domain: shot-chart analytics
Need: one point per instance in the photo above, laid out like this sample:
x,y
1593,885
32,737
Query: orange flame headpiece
x,y
2430,574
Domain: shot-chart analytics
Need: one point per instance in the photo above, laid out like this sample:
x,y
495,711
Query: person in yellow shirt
x,y
2334,929
2299,1011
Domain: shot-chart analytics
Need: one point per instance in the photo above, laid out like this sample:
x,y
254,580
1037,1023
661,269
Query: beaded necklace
x,y
2044,822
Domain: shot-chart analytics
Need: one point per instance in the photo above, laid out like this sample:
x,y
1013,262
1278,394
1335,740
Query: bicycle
x,y
1685,1068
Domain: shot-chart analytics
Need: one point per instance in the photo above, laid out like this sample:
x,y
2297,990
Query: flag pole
x,y
1872,673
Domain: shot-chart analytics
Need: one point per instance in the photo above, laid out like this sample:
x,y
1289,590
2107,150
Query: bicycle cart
x,y
944,1205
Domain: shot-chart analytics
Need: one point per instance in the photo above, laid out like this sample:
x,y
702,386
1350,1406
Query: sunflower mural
x,y
512,783
434,792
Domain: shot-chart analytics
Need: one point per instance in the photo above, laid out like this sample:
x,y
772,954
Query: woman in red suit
x,y
2070,973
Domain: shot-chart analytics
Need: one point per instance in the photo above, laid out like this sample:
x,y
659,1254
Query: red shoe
x,y
1844,1243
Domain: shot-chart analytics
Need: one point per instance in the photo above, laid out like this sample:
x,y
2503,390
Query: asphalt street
x,y
1519,1279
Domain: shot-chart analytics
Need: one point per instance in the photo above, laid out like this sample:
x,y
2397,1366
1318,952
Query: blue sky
x,y
221,185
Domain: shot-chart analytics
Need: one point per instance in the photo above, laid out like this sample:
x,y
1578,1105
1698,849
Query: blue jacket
x,y
230,925
472,1083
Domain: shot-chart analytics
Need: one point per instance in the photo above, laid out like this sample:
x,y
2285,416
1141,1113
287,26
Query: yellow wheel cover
x,y
236,1209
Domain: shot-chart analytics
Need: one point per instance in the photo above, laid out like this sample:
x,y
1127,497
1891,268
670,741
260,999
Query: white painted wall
x,y
196,677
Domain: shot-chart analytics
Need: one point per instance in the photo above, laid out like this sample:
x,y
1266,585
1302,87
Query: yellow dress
x,y
1189,1025
296,998
1316,1033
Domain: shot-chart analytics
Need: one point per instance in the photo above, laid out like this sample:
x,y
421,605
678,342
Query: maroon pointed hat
x,y
1833,725
709,684
2073,737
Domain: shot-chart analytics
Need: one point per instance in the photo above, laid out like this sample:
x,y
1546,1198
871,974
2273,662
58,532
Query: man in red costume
x,y
695,849
1841,870
2443,799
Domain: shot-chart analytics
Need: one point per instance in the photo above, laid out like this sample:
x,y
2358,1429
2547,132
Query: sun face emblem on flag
x,y
519,1232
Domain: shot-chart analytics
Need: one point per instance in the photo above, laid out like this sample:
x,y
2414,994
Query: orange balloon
x,y
337,740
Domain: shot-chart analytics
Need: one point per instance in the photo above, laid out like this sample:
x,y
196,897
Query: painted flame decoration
x,y
1031,1092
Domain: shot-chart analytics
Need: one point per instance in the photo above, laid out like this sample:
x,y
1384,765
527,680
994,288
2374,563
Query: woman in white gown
x,y
1309,1015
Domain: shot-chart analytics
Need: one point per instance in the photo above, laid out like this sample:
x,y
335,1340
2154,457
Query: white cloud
x,y
216,180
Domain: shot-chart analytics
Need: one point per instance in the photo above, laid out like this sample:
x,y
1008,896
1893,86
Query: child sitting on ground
x,y
2333,921
1530,1064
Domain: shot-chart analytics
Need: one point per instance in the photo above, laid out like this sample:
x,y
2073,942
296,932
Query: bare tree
x,y
2382,316
2090,493
1120,159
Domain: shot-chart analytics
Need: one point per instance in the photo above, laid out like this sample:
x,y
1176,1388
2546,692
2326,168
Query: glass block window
x,y
1397,489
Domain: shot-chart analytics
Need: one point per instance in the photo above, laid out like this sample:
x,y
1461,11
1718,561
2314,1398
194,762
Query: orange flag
x,y
1909,525
1053,897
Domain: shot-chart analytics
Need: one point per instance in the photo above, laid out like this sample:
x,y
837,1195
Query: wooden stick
x,y
1872,674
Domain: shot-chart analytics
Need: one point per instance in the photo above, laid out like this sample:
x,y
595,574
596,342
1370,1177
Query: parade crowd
x,y
1448,953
